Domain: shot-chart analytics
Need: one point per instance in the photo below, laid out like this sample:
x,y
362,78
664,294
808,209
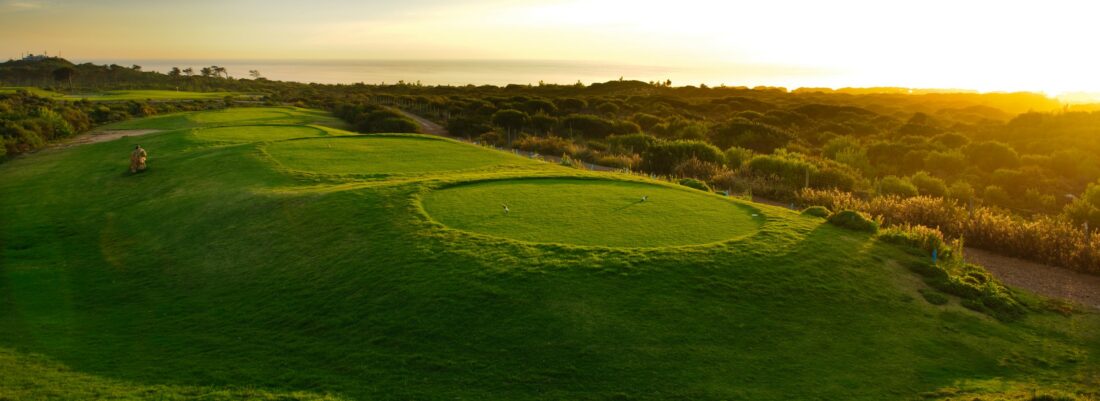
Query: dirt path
x,y
427,126
1041,279
103,136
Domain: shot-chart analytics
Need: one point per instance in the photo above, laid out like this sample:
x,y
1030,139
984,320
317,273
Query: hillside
x,y
266,254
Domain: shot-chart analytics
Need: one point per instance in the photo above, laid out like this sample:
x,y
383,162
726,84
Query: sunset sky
x,y
986,45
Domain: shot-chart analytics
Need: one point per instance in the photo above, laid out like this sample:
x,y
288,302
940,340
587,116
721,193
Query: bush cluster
x,y
29,122
853,220
949,273
694,183
1044,239
816,211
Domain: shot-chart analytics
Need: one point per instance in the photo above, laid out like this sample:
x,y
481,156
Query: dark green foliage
x,y
646,121
510,119
664,156
737,157
632,143
792,170
375,119
694,183
991,155
29,122
928,185
586,125
853,220
467,126
897,186
1085,209
816,211
750,135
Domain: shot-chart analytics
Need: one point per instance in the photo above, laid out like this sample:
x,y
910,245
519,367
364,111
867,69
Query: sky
x,y
1047,46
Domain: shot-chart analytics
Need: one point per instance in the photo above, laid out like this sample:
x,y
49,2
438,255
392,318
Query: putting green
x,y
257,133
380,154
591,212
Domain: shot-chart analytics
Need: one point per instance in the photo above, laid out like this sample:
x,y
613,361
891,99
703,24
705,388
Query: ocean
x,y
479,72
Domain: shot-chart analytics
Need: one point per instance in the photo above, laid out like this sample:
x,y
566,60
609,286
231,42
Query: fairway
x,y
591,212
258,133
386,154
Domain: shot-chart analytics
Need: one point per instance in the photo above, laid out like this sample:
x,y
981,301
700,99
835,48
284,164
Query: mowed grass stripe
x,y
386,154
258,133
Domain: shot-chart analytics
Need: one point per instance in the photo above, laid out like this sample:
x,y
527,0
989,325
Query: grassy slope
x,y
195,279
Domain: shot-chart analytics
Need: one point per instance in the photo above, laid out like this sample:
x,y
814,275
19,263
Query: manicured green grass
x,y
257,133
120,95
215,275
387,155
591,212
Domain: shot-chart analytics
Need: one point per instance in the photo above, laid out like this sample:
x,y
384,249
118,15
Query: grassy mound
x,y
257,133
591,212
386,154
215,276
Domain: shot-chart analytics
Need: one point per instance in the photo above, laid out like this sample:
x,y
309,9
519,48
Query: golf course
x,y
271,253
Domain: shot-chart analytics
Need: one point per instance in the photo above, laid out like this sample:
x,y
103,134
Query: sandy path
x,y
104,136
427,126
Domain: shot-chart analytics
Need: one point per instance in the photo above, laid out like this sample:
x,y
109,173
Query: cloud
x,y
20,5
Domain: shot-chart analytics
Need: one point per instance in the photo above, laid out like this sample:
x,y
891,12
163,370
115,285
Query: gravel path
x,y
1041,279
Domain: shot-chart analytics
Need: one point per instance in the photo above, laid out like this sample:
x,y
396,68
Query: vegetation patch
x,y
694,183
816,211
943,268
853,220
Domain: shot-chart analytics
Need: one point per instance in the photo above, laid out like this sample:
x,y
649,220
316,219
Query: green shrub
x,y
853,220
933,297
737,157
919,238
977,288
928,185
891,185
694,183
571,162
816,211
